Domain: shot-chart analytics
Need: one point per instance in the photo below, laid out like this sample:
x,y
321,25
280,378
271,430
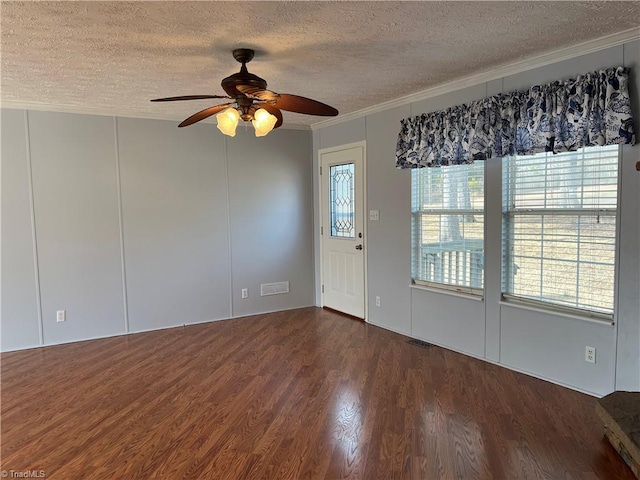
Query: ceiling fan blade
x,y
294,103
273,111
187,97
257,93
201,115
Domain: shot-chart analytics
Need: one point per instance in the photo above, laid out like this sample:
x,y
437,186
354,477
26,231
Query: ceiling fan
x,y
251,101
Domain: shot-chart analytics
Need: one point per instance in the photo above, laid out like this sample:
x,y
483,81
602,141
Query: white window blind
x,y
559,229
448,227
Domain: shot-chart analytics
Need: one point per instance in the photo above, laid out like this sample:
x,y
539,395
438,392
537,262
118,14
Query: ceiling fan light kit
x,y
228,121
263,122
251,101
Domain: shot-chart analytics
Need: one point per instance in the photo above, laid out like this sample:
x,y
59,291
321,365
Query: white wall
x,y
20,323
542,344
271,211
175,217
133,225
75,198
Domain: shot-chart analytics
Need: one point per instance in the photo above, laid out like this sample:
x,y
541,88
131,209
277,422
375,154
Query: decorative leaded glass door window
x,y
342,206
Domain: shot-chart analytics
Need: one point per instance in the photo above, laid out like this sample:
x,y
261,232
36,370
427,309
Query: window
x,y
342,185
448,227
559,229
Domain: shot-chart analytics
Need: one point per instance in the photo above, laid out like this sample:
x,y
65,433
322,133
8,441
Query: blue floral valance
x,y
593,109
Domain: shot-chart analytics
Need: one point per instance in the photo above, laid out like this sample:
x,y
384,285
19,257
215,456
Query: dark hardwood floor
x,y
302,394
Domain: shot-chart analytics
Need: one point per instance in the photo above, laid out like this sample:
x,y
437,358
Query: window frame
x,y
508,215
417,216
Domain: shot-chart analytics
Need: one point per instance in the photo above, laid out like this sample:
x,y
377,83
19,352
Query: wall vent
x,y
274,288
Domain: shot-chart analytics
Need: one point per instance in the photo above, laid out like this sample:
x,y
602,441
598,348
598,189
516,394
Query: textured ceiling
x,y
112,57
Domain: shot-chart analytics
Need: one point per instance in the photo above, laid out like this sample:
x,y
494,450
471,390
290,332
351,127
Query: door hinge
x,y
322,288
320,170
321,230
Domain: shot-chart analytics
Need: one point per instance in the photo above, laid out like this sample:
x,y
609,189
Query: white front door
x,y
342,206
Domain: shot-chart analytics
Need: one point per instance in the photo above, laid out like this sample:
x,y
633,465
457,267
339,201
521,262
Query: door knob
x,y
358,247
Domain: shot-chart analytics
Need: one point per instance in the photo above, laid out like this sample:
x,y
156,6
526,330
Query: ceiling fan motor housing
x,y
243,77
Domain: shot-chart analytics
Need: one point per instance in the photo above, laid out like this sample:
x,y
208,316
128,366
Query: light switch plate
x,y
374,215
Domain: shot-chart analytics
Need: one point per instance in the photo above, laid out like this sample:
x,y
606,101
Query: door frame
x,y
321,209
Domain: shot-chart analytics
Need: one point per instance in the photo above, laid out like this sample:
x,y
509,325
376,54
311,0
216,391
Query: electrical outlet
x,y
61,316
245,293
590,354
377,301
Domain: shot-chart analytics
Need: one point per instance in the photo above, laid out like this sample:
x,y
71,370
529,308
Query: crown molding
x,y
505,70
87,110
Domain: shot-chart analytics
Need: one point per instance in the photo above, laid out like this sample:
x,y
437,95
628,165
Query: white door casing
x,y
343,229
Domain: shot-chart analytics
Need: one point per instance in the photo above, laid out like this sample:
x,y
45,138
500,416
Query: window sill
x,y
446,291
557,312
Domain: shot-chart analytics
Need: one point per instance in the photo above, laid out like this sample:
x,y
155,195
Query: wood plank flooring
x,y
303,394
